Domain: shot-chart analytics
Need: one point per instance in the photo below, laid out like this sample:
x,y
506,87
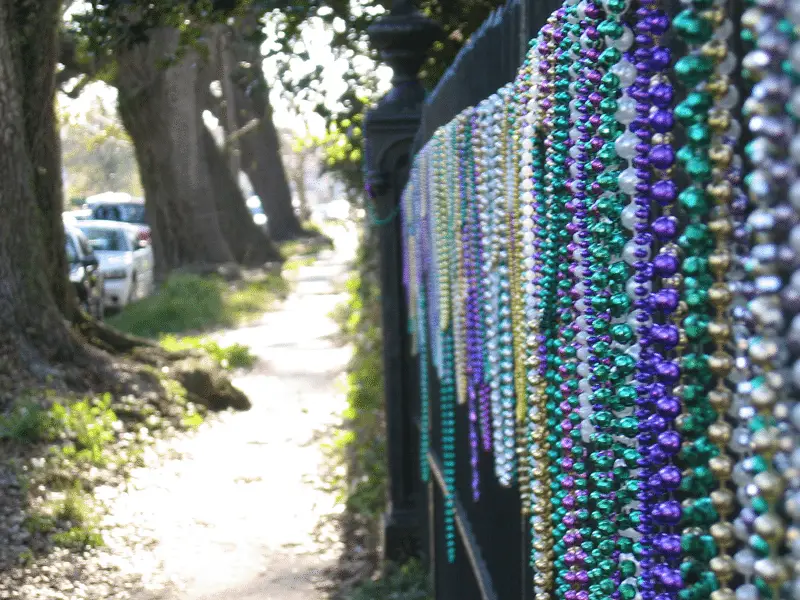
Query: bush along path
x,y
147,496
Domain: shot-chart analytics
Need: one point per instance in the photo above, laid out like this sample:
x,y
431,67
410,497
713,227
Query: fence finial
x,y
403,38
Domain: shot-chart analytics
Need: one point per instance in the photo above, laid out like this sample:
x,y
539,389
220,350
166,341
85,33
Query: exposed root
x,y
107,338
107,360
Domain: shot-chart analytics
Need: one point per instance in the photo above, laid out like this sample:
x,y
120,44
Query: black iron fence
x,y
492,560
492,536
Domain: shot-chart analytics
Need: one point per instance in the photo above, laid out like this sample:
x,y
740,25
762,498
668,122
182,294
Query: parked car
x,y
126,261
84,272
257,210
77,215
122,207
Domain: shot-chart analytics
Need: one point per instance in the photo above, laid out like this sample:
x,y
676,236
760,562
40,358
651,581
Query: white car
x,y
126,262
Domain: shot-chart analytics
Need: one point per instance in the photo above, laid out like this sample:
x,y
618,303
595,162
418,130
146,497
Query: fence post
x,y
403,38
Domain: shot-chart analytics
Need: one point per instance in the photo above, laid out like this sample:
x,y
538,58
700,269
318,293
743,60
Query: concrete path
x,y
237,516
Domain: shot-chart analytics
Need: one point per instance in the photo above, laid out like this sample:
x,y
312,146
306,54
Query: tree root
x,y
107,338
206,383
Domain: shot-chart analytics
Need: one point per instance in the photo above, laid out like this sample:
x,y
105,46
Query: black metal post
x,y
403,38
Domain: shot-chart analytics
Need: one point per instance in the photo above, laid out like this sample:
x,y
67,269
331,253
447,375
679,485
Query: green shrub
x,y
360,447
73,508
39,523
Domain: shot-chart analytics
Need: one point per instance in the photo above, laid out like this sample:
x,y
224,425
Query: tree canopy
x,y
348,21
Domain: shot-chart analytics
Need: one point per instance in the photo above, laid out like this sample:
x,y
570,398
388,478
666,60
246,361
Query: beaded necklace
x,y
480,187
704,158
572,464
470,236
657,407
506,203
535,88
579,280
634,217
768,185
555,123
443,250
791,298
720,189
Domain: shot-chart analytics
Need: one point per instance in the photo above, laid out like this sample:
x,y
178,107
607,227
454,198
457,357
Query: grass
x,y
69,521
83,428
235,356
191,303
26,422
305,250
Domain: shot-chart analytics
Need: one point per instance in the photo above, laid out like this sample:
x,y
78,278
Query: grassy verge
x,y
358,452
191,303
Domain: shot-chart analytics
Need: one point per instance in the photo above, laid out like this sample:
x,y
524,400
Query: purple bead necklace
x,y
656,374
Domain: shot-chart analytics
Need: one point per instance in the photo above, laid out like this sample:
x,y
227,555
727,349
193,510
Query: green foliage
x,y
109,26
304,252
192,421
79,538
39,523
406,582
360,447
87,425
27,422
348,21
97,153
82,427
235,356
75,512
73,508
184,303
190,303
252,298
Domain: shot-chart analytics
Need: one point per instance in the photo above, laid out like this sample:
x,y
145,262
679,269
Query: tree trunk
x,y
158,107
259,147
250,245
262,162
40,54
33,287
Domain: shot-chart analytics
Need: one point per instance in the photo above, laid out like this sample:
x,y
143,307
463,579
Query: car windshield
x,y
72,253
126,212
109,240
